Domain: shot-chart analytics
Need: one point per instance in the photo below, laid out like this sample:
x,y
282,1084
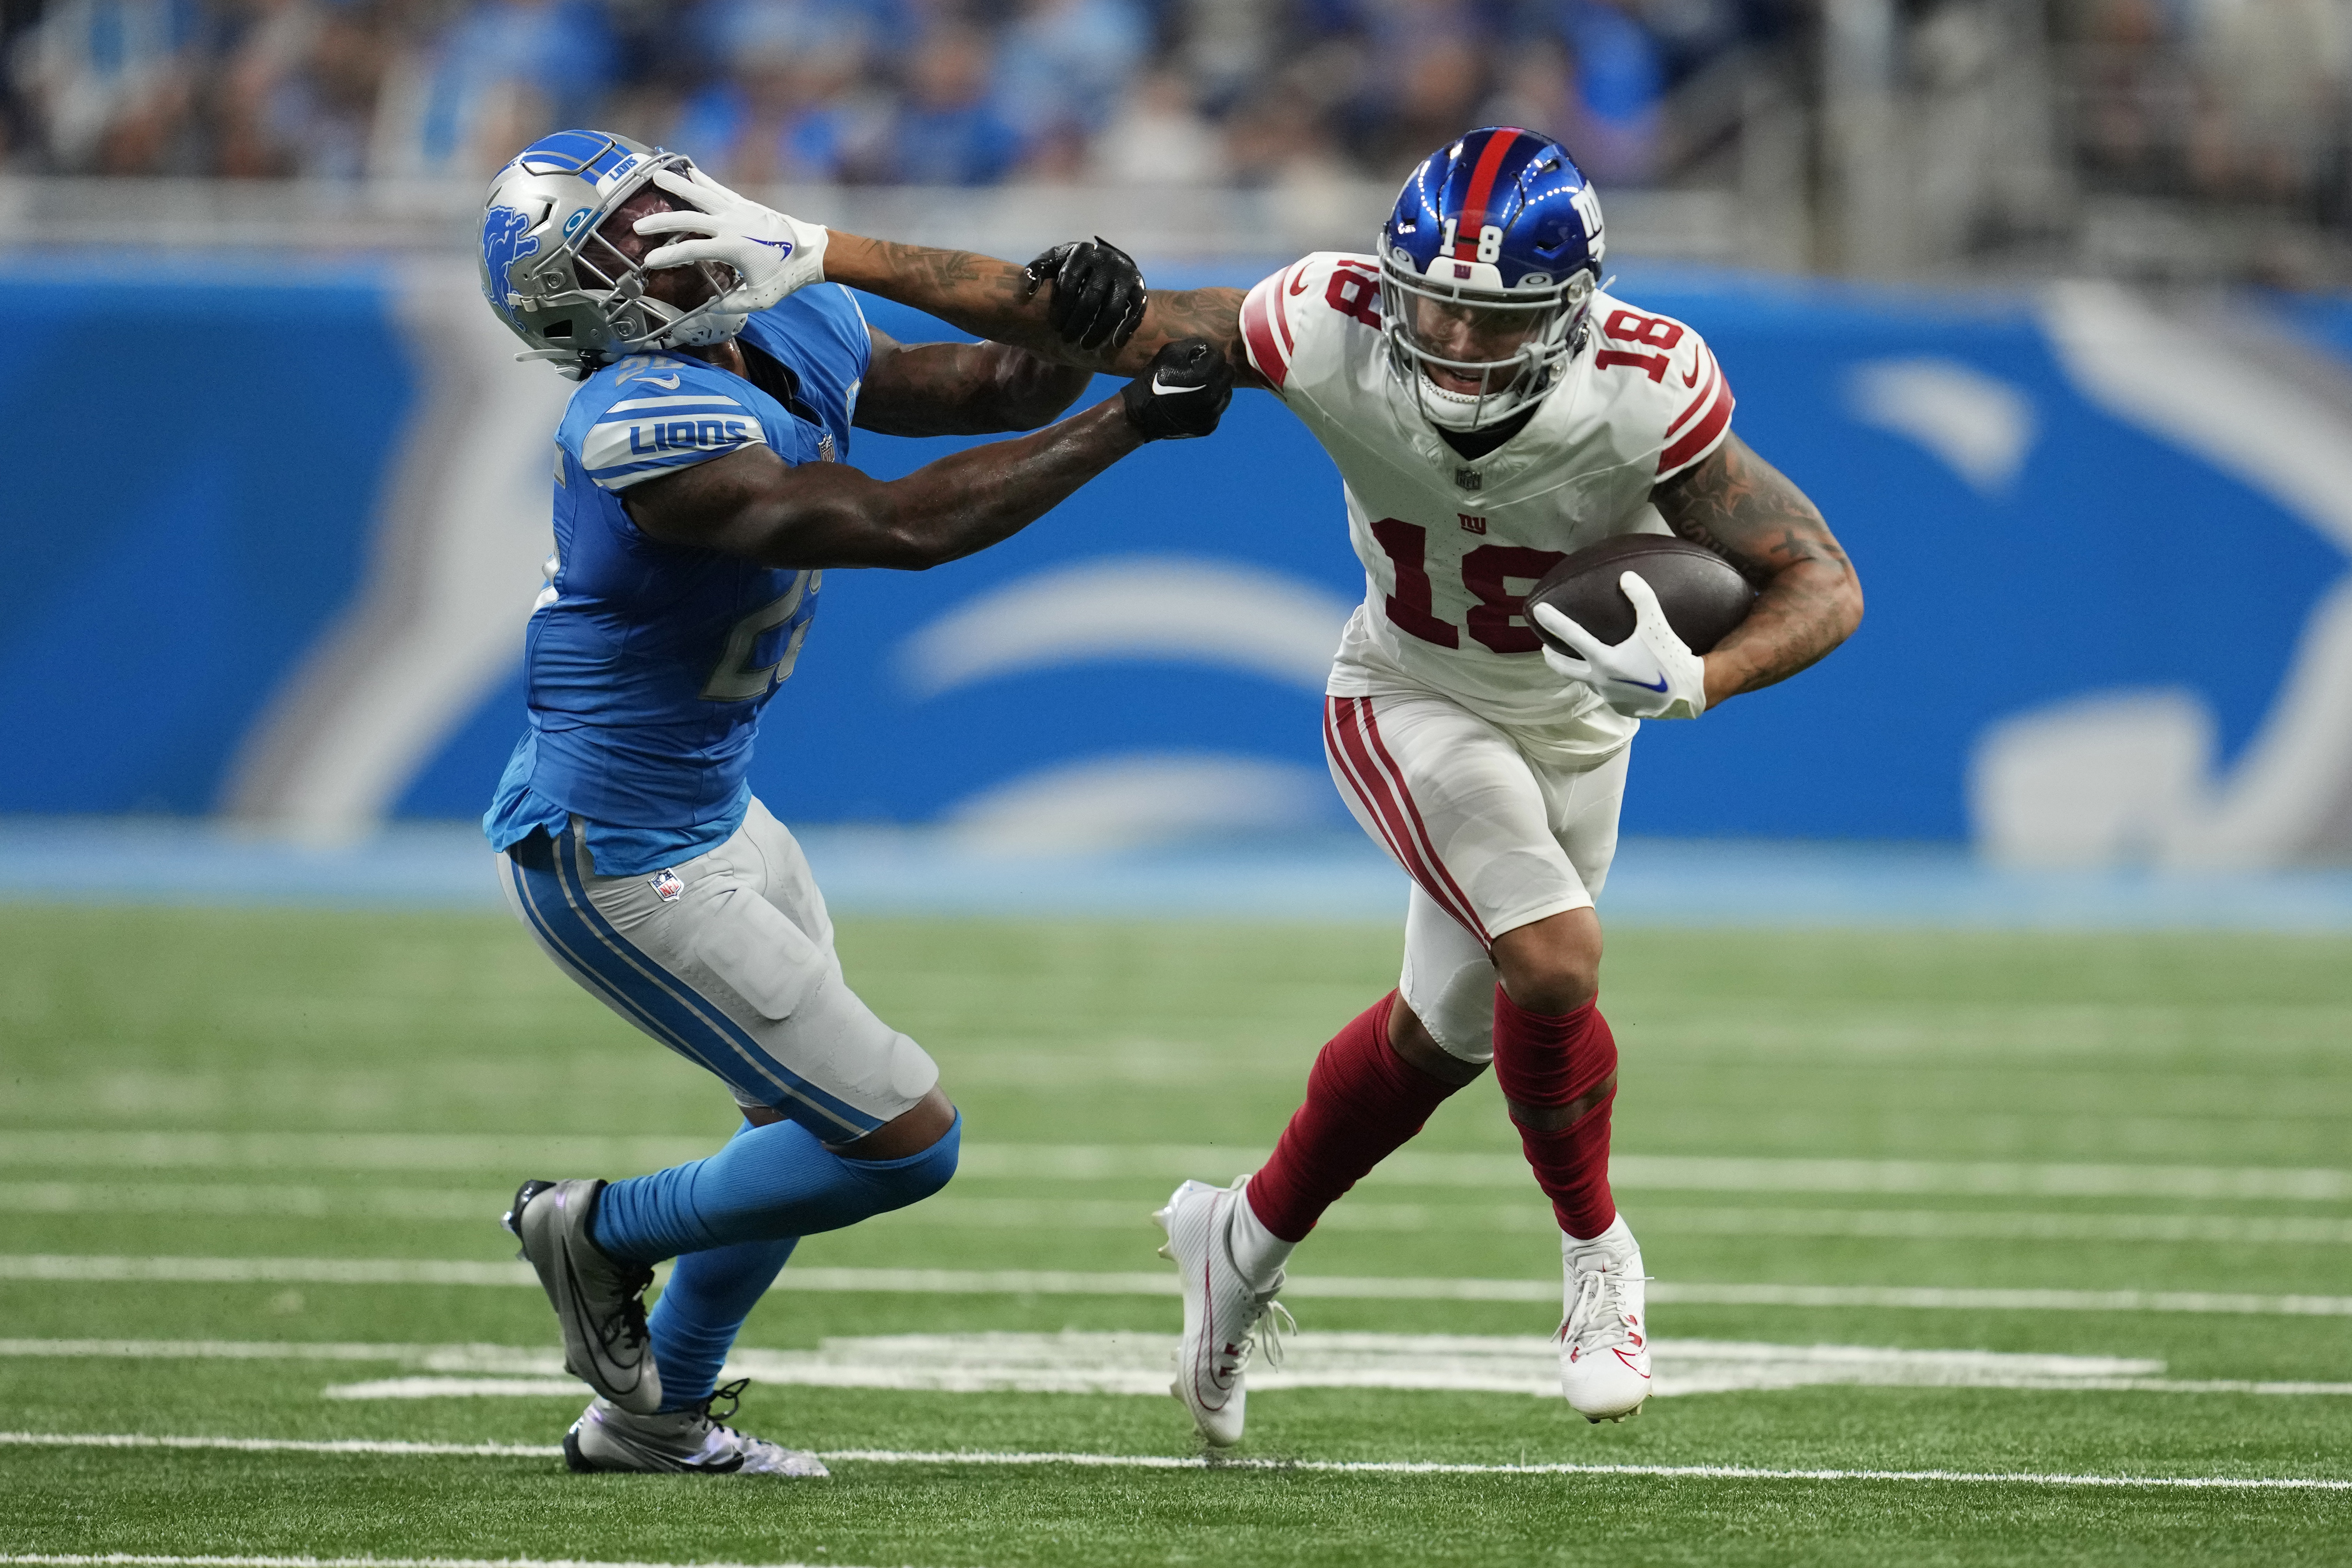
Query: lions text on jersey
x,y
648,664
1451,545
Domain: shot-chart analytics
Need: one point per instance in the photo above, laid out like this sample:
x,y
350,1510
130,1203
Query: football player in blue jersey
x,y
700,492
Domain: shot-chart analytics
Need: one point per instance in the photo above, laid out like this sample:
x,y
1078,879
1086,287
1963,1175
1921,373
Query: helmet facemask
x,y
576,297
1508,345
603,273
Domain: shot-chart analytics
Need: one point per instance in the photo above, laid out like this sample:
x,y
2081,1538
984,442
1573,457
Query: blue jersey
x,y
648,664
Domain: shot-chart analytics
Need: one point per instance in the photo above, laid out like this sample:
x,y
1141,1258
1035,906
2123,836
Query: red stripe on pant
x,y
1546,1061
1469,915
1363,1102
1342,759
1354,741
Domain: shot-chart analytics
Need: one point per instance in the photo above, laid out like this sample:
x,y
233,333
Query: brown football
x,y
1704,595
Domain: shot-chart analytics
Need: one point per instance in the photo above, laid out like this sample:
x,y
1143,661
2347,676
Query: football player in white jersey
x,y
1490,410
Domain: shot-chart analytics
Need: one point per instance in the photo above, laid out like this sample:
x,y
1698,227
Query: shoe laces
x,y
1597,1318
733,1392
1271,1320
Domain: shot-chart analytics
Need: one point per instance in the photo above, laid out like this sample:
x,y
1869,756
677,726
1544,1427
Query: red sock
x,y
1555,1059
1364,1101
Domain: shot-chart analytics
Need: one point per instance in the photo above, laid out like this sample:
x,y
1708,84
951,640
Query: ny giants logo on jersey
x,y
1472,524
685,435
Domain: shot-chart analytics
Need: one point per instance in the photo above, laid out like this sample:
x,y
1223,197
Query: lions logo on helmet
x,y
1487,268
503,244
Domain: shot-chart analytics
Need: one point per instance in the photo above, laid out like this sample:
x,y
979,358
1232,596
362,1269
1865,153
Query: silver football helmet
x,y
563,286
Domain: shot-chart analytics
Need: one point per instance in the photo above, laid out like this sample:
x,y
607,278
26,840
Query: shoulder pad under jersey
x,y
1667,395
649,414
1298,326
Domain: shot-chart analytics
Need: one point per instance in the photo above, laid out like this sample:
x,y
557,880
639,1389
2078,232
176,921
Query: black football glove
x,y
1098,293
1183,393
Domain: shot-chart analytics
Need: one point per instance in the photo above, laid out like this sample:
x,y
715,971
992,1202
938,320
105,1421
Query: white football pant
x,y
1494,833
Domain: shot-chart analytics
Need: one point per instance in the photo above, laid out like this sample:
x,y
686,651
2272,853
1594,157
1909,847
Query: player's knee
x,y
909,1179
1411,1039
1551,966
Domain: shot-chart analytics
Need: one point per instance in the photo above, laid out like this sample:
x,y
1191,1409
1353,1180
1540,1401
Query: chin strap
x,y
567,361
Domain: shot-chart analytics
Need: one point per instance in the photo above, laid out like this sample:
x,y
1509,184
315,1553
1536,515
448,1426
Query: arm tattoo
x,y
953,274
1807,600
1212,313
992,299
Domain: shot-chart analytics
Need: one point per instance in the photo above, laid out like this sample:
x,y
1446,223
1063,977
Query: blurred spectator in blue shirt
x,y
947,131
1427,72
1593,76
1068,63
786,108
1690,34
510,70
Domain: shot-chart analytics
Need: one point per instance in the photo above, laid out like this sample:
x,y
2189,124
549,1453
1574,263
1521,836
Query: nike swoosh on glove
x,y
1098,294
1182,391
1650,675
774,255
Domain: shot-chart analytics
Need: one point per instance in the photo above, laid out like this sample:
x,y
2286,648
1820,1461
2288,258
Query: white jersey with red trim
x,y
1450,544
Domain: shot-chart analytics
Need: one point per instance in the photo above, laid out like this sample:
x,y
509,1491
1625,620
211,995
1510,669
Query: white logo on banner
x,y
2110,776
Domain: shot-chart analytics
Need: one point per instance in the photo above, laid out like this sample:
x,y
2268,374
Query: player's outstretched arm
x,y
962,389
997,300
1807,600
753,505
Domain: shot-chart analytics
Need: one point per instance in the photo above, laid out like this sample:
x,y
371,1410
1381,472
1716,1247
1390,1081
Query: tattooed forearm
x,y
1212,313
992,299
1808,597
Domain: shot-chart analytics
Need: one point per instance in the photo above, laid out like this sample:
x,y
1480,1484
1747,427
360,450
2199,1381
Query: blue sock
x,y
702,1309
770,1184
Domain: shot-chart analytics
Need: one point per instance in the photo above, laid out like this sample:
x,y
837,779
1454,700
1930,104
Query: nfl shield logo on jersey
x,y
666,885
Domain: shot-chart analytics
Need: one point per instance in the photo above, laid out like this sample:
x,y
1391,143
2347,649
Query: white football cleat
x,y
1605,1342
1226,1317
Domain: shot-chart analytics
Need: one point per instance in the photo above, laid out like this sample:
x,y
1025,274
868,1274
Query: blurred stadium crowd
x,y
960,92
2134,136
2227,100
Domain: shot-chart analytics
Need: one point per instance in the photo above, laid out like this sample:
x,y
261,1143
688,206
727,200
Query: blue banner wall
x,y
2058,549
194,460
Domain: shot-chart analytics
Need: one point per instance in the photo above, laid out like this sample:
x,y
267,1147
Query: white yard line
x,y
1530,1215
442,1152
425,1203
1198,1462
1136,1363
77,1267
226,1349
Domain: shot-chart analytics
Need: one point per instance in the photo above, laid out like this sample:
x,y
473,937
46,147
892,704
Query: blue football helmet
x,y
1487,269
563,286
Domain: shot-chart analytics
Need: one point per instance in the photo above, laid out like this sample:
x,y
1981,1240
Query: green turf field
x,y
247,1158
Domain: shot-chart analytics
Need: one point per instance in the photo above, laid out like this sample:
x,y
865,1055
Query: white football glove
x,y
774,254
1650,675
